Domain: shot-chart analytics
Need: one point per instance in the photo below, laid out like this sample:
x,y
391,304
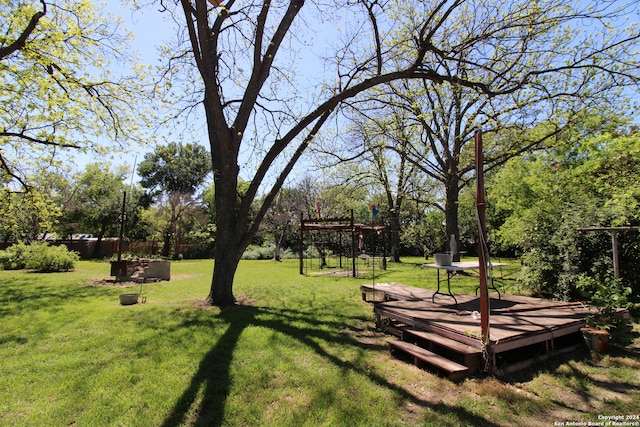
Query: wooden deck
x,y
522,329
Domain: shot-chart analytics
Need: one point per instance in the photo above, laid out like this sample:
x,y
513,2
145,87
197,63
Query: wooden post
x,y
614,242
614,245
482,254
301,243
122,220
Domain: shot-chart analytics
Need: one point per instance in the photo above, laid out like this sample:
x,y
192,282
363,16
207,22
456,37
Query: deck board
x,y
515,321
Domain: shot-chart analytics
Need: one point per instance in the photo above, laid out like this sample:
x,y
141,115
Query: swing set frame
x,y
340,225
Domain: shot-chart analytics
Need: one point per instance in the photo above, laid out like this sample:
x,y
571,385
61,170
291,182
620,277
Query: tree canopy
x,y
56,91
175,168
555,90
547,196
173,174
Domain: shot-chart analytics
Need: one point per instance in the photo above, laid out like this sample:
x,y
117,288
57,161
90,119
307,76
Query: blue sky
x,y
150,28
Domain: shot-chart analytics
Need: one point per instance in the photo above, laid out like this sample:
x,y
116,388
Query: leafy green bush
x,y
14,257
38,257
266,252
608,295
43,258
258,252
132,255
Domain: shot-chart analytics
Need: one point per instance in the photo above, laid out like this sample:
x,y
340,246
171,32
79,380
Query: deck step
x,y
453,369
391,329
449,343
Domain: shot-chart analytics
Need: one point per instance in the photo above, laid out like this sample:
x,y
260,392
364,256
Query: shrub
x,y
14,257
43,258
266,252
258,252
608,295
38,257
132,255
201,251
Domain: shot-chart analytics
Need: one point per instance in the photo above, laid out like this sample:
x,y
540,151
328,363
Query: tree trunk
x,y
224,270
276,250
96,249
394,235
231,223
228,250
166,243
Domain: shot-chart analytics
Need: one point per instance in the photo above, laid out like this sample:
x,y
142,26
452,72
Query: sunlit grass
x,y
299,350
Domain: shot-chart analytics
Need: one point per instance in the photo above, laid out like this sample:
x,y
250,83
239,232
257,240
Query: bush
x,y
258,252
608,295
202,251
14,257
266,252
45,259
38,257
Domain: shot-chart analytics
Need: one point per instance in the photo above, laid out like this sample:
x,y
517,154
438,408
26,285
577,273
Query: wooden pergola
x,y
340,225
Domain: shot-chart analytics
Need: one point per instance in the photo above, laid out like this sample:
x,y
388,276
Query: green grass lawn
x,y
299,350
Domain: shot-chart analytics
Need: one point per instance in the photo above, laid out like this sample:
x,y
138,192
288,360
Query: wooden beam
x,y
625,228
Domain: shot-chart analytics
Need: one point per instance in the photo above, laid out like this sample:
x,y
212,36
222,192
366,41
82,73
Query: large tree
x,y
57,95
282,217
375,153
173,174
572,71
30,215
545,197
246,52
92,201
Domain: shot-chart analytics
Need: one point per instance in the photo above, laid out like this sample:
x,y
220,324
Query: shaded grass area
x,y
298,350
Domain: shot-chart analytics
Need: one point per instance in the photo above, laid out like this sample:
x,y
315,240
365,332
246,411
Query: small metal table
x,y
456,267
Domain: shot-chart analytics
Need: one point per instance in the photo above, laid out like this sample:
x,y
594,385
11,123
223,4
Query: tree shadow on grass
x,y
21,295
203,402
578,370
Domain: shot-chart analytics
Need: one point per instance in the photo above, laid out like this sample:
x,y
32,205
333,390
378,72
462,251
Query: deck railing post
x,y
483,255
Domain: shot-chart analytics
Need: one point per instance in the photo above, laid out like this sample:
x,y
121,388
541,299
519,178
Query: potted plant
x,y
609,319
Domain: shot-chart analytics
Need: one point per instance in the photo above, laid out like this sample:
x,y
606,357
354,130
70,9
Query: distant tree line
x,y
536,204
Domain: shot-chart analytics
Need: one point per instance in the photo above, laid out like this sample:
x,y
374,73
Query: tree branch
x,y
20,42
253,188
37,140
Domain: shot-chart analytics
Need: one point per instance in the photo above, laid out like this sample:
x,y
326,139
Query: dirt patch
x,y
337,273
111,283
241,300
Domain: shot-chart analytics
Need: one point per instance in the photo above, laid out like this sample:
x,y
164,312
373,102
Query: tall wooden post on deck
x,y
483,258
